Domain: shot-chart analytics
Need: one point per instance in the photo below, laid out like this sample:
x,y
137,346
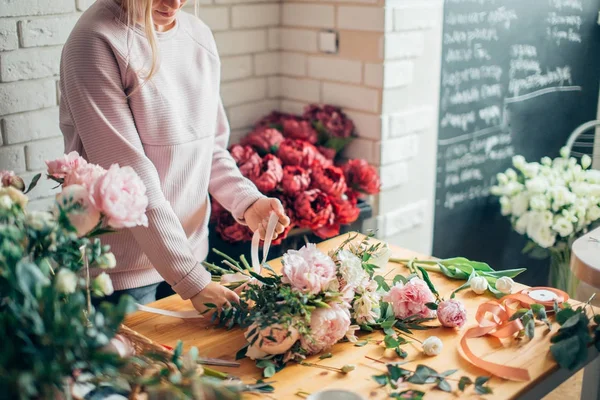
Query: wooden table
x,y
213,342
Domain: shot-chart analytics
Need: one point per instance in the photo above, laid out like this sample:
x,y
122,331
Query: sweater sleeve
x,y
227,184
94,94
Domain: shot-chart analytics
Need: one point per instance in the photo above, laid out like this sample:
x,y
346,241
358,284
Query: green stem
x,y
225,256
213,267
215,374
406,261
244,262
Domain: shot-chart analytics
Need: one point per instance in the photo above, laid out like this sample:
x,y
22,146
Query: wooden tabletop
x,y
220,343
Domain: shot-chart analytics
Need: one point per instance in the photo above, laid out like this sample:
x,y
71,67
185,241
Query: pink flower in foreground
x,y
84,175
63,166
120,195
308,269
9,179
81,212
327,327
284,340
452,313
409,299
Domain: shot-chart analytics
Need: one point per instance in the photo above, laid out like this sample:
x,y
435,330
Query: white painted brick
x,y
367,126
46,31
274,86
374,75
239,92
414,18
12,158
236,67
404,45
361,18
246,115
44,204
217,18
405,218
335,69
44,188
274,39
26,96
403,148
308,15
398,73
8,35
298,40
36,153
389,19
241,42
393,175
307,90
363,148
354,97
29,64
411,121
34,125
292,107
294,64
14,8
83,5
253,16
267,63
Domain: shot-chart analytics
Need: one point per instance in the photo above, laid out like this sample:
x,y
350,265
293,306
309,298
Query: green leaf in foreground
x,y
408,395
325,356
464,382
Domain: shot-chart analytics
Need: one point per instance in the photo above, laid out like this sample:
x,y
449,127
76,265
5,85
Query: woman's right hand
x,y
216,294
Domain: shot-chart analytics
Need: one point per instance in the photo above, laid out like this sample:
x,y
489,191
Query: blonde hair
x,y
141,10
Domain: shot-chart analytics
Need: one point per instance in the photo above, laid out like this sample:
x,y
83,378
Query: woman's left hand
x,y
257,216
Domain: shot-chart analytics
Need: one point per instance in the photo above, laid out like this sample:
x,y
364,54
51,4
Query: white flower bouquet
x,y
552,203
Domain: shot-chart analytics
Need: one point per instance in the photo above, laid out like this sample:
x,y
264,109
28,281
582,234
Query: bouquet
x,y
293,158
551,203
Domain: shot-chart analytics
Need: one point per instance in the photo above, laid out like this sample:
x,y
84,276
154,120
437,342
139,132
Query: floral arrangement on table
x,y
55,343
293,158
552,203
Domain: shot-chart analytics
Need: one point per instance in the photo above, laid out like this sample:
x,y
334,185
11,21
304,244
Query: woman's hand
x,y
216,294
257,216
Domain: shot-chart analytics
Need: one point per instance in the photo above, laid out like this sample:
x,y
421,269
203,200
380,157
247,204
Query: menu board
x,y
518,76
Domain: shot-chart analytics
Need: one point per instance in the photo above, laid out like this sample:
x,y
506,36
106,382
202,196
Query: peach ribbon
x,y
493,319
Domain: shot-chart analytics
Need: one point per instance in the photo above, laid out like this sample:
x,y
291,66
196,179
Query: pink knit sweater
x,y
173,132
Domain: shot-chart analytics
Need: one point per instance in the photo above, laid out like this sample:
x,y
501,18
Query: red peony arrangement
x,y
292,158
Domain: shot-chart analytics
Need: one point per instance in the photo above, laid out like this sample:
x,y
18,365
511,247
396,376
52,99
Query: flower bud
x,y
432,346
102,285
66,281
586,161
107,261
479,284
505,284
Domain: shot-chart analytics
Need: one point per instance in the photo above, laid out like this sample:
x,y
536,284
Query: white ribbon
x,y
256,267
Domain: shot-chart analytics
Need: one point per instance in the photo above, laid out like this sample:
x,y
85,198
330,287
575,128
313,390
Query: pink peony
x,y
345,209
331,119
274,119
264,140
63,166
284,340
329,180
409,299
297,152
81,212
268,175
298,128
313,209
327,327
84,175
9,179
295,179
308,269
232,231
362,177
452,313
120,195
328,231
327,152
241,154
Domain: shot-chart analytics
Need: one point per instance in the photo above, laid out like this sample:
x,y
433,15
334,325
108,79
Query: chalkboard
x,y
518,76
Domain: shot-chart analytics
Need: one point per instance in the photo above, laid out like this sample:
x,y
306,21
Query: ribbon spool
x,y
256,267
493,319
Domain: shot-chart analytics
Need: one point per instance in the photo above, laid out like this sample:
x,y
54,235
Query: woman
x,y
139,85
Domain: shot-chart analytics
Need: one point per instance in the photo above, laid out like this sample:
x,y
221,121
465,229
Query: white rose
x,y
432,346
479,284
563,226
558,164
586,161
581,188
511,174
513,188
537,185
531,170
382,257
539,202
594,190
561,196
107,261
65,281
592,175
544,237
5,202
593,214
519,162
102,285
502,178
519,204
497,190
522,224
351,268
564,152
505,206
546,161
505,284
39,220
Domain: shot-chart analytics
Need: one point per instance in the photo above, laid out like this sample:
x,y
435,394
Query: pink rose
x,y
409,299
329,180
452,313
120,195
285,338
264,140
327,327
297,152
63,166
84,175
81,212
298,128
295,179
268,175
9,179
308,269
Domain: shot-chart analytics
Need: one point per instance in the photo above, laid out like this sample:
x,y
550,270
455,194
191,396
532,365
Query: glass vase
x,y
561,276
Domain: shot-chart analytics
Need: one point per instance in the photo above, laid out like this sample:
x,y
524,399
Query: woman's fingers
x,y
279,228
277,207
